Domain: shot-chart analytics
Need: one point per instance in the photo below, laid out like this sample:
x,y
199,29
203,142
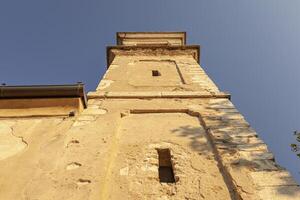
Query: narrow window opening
x,y
165,169
155,73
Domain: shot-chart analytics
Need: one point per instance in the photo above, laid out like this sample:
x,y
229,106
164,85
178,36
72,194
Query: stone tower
x,y
156,127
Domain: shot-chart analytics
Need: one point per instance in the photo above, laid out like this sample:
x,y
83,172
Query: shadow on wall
x,y
284,184
263,161
195,135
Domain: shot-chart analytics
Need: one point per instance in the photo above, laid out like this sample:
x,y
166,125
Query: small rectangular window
x,y
165,169
155,73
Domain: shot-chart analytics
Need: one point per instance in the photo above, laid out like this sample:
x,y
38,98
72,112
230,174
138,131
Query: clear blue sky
x,y
249,48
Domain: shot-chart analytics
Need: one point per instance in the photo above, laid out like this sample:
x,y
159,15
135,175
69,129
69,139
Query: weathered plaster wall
x,y
109,152
178,73
135,157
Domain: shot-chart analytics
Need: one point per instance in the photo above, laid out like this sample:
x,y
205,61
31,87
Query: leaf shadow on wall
x,y
194,134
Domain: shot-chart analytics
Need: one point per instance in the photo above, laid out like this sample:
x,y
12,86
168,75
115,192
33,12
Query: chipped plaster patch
x,y
73,165
86,118
10,144
82,182
94,102
124,171
152,168
94,111
81,123
113,66
104,84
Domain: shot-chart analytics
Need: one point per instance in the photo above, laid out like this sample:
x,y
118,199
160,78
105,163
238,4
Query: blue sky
x,y
249,48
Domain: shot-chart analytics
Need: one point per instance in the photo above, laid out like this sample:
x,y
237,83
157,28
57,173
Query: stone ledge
x,y
277,178
280,193
255,155
180,94
235,132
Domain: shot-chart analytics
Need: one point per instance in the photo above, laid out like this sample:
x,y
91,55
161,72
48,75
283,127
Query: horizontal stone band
x,y
181,94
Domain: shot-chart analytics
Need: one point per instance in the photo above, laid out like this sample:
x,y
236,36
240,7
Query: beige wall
x,y
133,73
109,152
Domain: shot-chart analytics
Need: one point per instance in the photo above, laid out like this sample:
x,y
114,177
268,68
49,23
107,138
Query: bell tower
x,y
176,135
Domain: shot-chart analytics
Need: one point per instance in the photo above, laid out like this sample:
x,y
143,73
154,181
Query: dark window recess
x,y
165,169
155,73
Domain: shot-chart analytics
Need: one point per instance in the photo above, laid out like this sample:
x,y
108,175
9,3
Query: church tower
x,y
176,135
156,127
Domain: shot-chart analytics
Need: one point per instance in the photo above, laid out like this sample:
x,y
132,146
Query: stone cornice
x,y
112,51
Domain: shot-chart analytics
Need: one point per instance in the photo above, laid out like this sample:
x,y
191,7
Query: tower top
x,y
151,38
151,43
